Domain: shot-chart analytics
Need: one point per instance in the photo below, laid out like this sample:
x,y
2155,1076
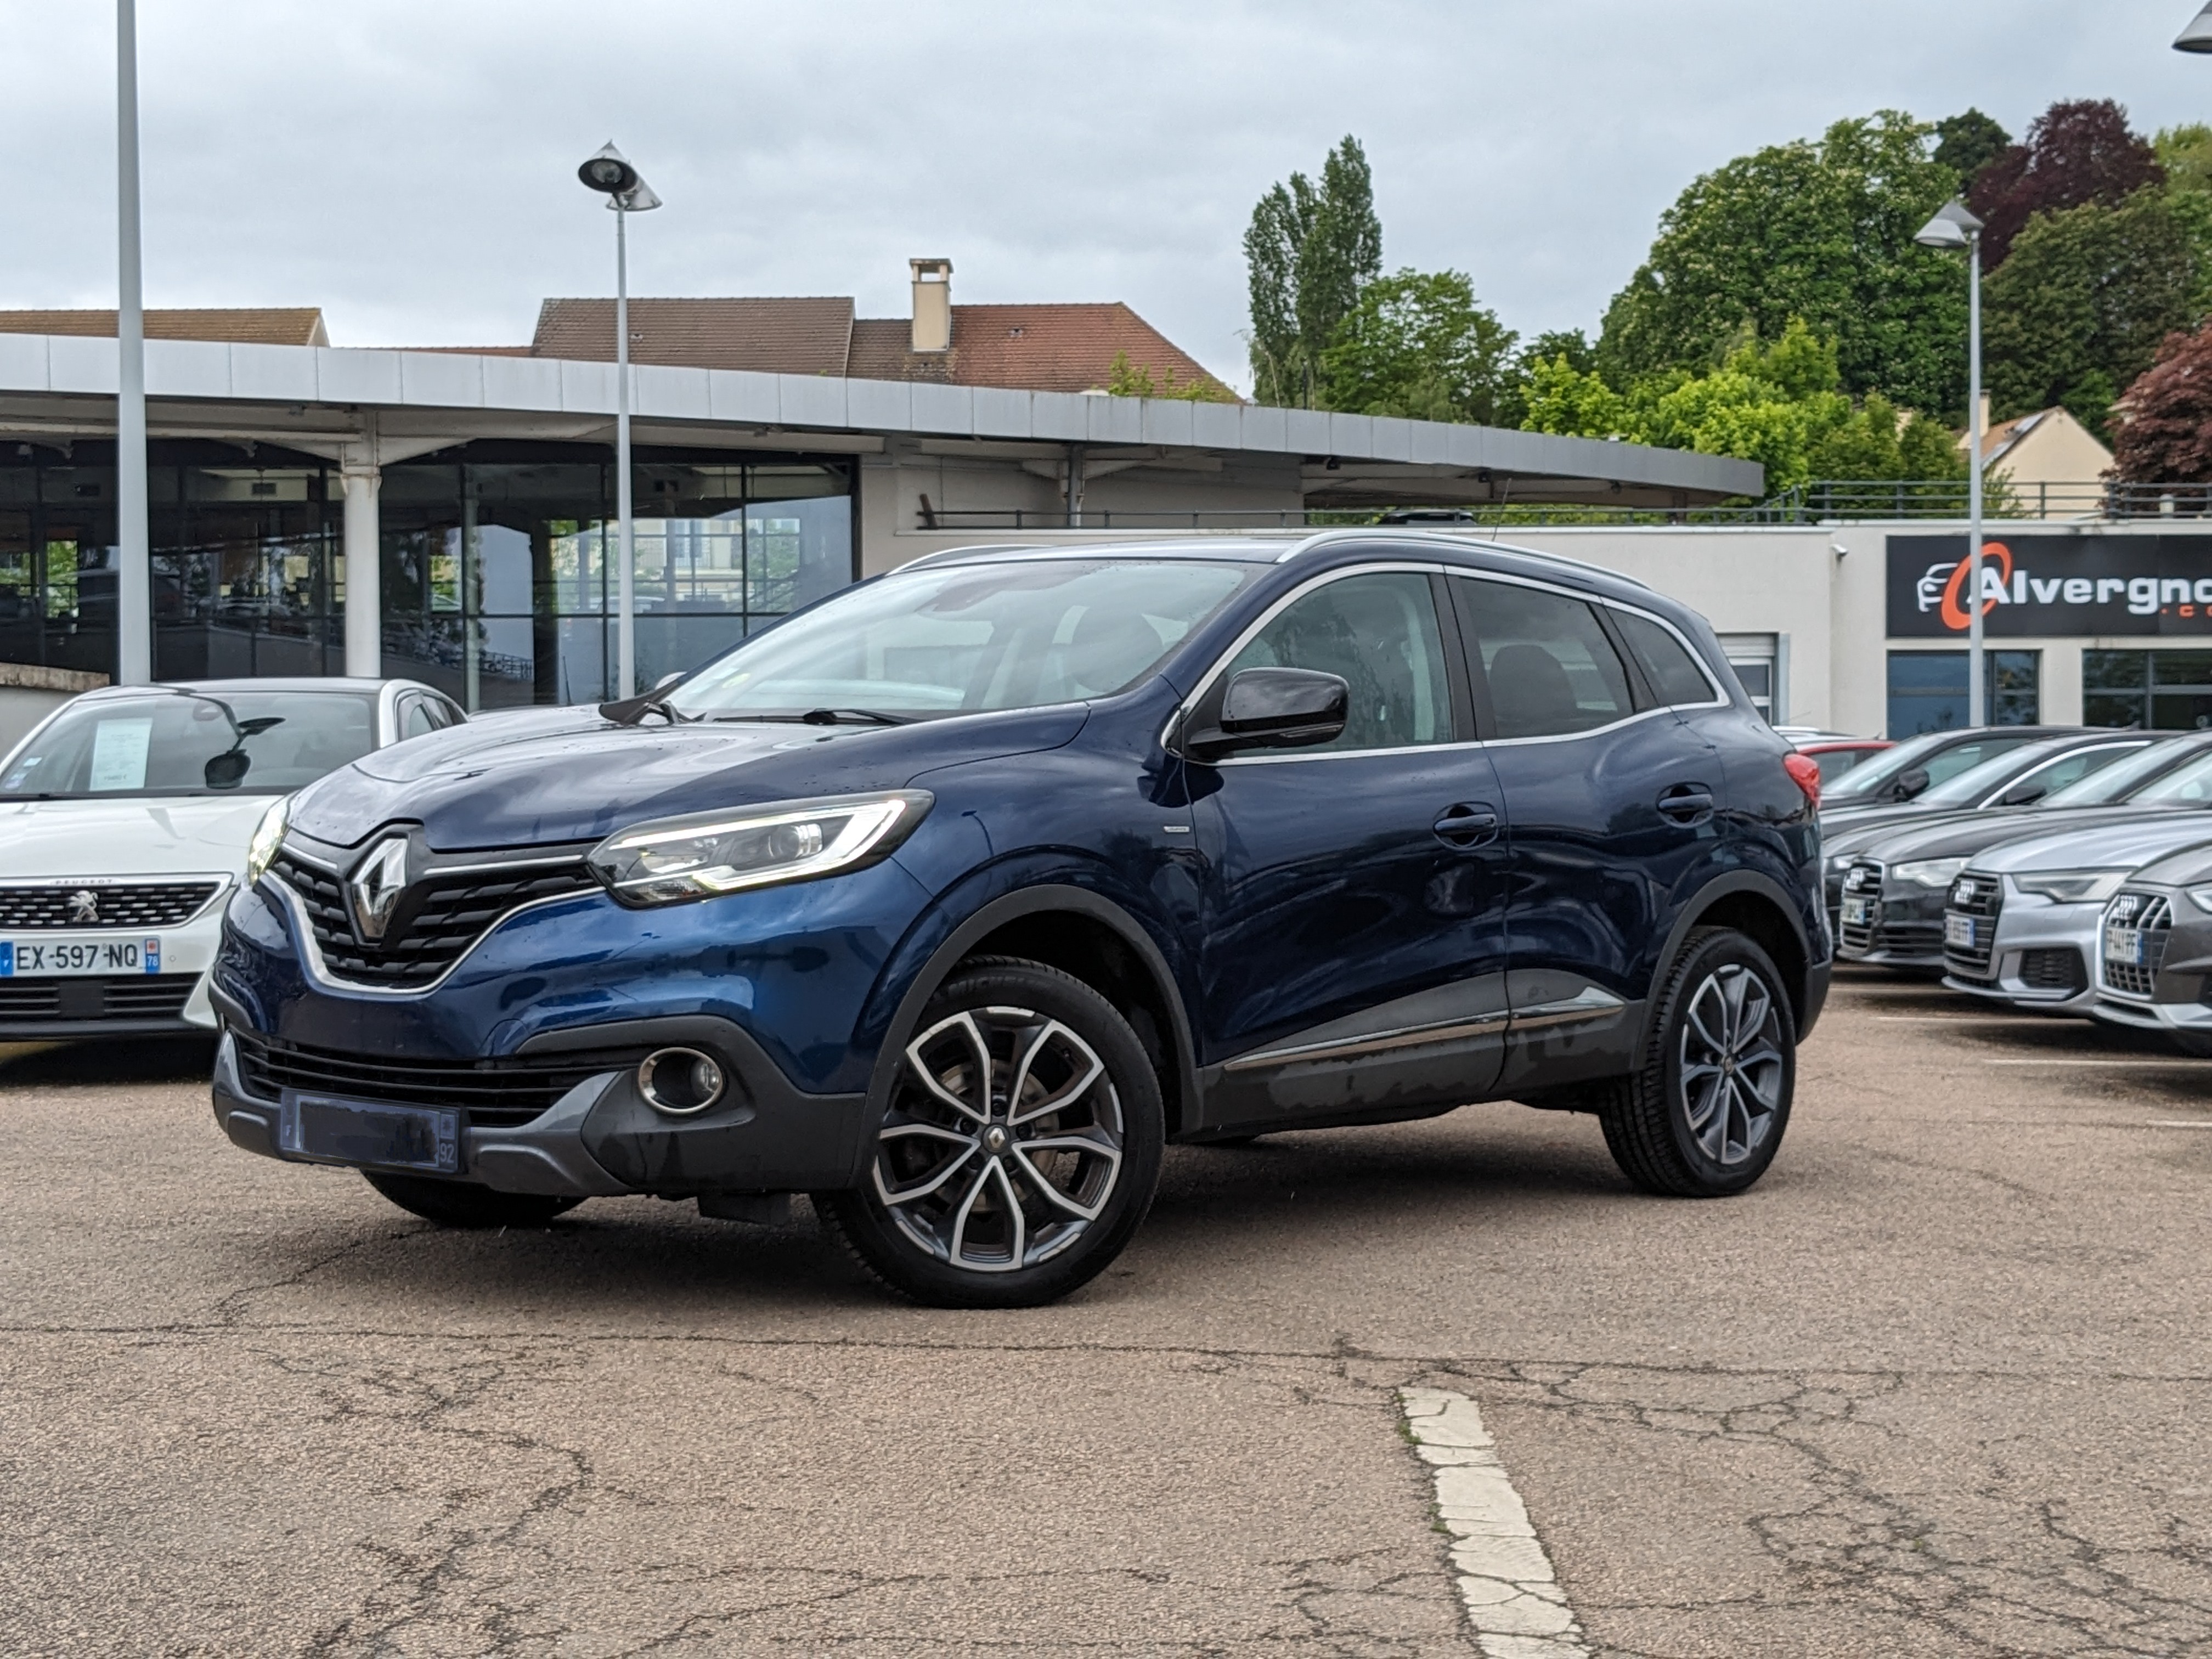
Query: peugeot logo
x,y
84,905
375,886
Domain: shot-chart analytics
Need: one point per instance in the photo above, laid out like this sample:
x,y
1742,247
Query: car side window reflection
x,y
1379,633
1551,669
1667,667
415,719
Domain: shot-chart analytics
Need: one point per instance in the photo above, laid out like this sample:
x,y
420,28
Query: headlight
x,y
268,837
1927,872
698,856
2073,886
1838,862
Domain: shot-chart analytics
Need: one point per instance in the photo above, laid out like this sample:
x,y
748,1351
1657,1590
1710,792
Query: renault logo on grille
x,y
84,905
375,886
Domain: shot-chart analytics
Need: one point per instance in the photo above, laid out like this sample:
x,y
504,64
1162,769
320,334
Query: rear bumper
x,y
601,1139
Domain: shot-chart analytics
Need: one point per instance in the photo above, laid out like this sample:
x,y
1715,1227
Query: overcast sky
x,y
409,165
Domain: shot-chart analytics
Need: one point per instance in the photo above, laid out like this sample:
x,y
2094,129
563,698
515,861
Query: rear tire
x,y
1019,1149
1703,1113
465,1203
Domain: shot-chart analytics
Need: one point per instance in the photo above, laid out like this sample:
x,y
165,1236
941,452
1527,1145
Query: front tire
x,y
1020,1148
1705,1114
465,1203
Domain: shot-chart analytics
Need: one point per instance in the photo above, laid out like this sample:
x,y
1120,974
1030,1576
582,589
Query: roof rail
x,y
944,553
1349,533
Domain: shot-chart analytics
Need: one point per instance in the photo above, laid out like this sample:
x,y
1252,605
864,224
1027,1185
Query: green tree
x,y
1818,231
2078,309
1968,141
1307,252
2185,153
1416,344
1126,379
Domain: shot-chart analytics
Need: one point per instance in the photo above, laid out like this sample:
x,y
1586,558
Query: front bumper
x,y
174,1002
600,1137
2040,957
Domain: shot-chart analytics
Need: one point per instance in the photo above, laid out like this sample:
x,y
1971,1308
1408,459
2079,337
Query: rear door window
x,y
1551,669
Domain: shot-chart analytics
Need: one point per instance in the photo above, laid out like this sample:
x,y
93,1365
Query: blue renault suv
x,y
952,898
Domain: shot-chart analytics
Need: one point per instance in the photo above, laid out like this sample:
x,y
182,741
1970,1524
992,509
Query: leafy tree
x,y
1567,343
2075,152
2185,153
1416,344
1309,252
2162,428
1126,379
2078,310
1821,232
1968,141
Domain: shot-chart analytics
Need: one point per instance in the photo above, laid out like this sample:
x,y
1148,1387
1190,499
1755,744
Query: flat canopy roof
x,y
321,398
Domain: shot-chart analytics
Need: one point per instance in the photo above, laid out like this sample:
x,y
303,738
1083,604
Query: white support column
x,y
364,603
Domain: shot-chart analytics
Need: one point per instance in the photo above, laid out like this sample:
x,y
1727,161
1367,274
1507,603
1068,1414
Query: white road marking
x,y
2178,1123
1967,1019
2147,1060
1513,1599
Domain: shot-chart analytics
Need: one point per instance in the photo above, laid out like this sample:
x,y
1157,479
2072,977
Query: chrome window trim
x,y
312,950
2029,776
1720,700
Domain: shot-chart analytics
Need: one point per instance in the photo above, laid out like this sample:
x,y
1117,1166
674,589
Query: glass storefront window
x,y
1928,690
2153,690
498,580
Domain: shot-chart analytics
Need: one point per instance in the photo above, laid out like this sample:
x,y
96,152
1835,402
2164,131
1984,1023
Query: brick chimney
x,y
932,304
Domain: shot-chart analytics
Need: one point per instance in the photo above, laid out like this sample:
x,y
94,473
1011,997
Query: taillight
x,y
1805,772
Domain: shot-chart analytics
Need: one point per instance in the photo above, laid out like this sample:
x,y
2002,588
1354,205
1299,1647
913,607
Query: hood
x,y
2190,868
1968,833
180,834
2129,844
572,775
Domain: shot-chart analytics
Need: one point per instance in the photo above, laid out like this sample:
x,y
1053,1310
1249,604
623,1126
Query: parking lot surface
x,y
1941,1384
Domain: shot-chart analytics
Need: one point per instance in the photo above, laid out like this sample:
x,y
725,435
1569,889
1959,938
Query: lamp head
x,y
609,173
2198,36
1954,226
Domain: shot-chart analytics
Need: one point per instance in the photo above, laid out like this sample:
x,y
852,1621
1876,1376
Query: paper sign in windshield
x,y
118,754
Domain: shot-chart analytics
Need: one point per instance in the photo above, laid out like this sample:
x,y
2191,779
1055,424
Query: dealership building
x,y
786,447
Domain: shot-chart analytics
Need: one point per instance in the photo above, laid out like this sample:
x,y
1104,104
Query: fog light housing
x,y
680,1082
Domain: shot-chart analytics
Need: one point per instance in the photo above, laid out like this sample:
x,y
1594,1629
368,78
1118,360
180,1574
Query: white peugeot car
x,y
124,821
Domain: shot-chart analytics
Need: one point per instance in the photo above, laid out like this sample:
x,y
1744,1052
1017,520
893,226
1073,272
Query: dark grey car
x,y
2154,951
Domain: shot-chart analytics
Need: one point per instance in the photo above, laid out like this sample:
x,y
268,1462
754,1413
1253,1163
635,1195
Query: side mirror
x,y
1275,709
226,770
2022,794
1909,783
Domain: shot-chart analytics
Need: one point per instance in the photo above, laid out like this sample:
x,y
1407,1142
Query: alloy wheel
x,y
1733,1069
1003,1140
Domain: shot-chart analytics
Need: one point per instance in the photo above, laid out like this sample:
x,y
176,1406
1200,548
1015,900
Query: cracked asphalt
x,y
1940,1385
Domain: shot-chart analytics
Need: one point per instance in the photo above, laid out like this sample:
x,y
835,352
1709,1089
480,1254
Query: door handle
x,y
1467,825
1685,802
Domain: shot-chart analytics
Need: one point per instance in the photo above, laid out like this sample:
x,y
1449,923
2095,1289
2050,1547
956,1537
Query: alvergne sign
x,y
2043,586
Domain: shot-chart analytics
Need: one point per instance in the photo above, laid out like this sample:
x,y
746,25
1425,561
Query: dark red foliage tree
x,y
2163,425
2078,151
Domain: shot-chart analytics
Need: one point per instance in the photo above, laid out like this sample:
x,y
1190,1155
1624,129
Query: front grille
x,y
1862,881
2054,968
123,997
451,911
493,1094
2150,915
1982,898
137,906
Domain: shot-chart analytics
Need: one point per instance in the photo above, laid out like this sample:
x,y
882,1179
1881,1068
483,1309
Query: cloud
x,y
409,166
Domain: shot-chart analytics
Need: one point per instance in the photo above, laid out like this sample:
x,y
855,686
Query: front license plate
x,y
1959,931
1858,912
358,1132
2123,944
74,958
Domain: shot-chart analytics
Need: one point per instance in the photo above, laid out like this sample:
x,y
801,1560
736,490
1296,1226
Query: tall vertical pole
x,y
1977,684
134,580
625,614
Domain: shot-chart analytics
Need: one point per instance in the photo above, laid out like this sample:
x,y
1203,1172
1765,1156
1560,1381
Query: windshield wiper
x,y
830,717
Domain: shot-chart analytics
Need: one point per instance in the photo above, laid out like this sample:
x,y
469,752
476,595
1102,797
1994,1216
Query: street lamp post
x,y
611,174
1954,227
134,577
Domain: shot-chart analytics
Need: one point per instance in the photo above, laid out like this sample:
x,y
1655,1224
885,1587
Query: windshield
x,y
2120,781
951,641
1965,788
192,743
1869,778
2187,785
